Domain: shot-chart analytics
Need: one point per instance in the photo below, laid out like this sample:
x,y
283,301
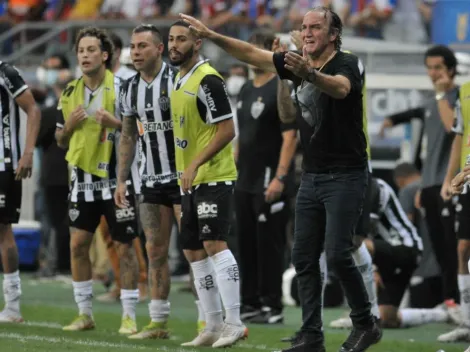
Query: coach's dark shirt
x,y
331,130
260,138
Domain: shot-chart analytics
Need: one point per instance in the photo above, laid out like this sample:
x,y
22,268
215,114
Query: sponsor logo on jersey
x,y
96,186
181,143
152,127
207,210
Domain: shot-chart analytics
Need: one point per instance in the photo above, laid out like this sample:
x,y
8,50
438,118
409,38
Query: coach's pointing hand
x,y
196,26
297,64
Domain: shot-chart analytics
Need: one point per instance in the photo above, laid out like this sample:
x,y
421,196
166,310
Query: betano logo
x,y
148,127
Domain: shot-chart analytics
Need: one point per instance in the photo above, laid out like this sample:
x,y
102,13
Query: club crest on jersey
x,y
73,214
257,108
164,102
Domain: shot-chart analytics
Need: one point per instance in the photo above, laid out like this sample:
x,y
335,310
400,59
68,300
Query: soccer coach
x,y
331,195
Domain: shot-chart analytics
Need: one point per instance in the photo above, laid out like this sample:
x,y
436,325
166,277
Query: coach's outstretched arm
x,y
240,50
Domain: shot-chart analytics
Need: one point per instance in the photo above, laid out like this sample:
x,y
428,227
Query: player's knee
x,y
79,248
6,234
158,254
464,251
124,249
337,260
214,247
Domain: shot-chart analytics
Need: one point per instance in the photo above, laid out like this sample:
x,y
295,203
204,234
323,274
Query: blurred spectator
x,y
121,71
6,22
54,175
47,74
299,8
26,10
425,8
405,24
58,9
85,10
113,9
367,17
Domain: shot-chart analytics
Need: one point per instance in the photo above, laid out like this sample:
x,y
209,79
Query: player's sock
x,y
159,310
208,292
414,317
12,291
363,261
129,299
200,312
228,279
83,292
464,287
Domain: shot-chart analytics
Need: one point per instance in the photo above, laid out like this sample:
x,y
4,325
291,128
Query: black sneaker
x,y
361,339
248,312
292,339
303,344
268,316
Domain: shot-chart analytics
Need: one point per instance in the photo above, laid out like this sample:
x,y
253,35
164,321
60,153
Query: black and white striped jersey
x,y
11,86
85,187
392,223
149,104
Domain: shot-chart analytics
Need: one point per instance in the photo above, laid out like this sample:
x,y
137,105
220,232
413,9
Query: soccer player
x,y
266,146
14,94
396,248
331,195
89,128
204,129
147,116
459,159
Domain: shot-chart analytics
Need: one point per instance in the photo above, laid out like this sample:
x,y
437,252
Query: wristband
x,y
440,96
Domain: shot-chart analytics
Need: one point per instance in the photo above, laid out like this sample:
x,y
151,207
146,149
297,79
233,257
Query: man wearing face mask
x,y
266,146
54,176
48,75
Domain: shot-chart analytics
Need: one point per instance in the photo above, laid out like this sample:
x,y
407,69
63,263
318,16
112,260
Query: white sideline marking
x,y
90,343
51,325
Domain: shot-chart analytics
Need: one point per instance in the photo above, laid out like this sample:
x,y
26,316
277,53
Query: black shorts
x,y
396,265
462,210
10,198
122,222
363,224
206,214
167,195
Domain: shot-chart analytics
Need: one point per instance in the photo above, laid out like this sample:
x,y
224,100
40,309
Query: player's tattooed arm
x,y
285,105
127,147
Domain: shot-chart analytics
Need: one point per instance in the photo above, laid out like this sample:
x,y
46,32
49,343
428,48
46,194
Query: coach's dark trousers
x,y
327,210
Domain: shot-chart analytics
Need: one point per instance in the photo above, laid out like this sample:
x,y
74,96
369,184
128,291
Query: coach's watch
x,y
281,178
312,75
440,96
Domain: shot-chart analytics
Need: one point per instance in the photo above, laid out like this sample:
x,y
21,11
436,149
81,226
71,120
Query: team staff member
x,y
459,158
203,128
437,116
333,186
147,116
14,94
266,146
89,129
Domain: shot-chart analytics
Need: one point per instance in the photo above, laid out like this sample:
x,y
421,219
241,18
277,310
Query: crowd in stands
x,y
398,20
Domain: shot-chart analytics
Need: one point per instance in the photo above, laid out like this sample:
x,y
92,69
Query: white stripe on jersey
x,y
391,208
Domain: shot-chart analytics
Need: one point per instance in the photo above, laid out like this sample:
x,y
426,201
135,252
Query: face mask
x,y
47,77
234,85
